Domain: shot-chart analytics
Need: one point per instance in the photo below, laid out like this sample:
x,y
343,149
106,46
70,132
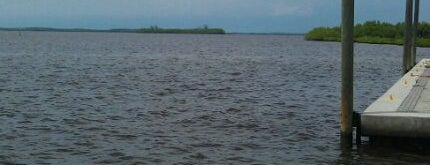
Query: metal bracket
x,y
356,122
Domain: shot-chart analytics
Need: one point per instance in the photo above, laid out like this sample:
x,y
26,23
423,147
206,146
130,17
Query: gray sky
x,y
294,16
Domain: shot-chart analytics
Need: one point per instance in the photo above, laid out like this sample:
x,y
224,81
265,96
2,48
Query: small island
x,y
153,29
373,32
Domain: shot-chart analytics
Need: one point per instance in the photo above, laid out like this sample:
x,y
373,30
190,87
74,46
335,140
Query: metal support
x,y
414,32
346,114
356,122
407,45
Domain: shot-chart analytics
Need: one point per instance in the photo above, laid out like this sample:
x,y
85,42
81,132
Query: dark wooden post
x,y
414,32
407,46
347,69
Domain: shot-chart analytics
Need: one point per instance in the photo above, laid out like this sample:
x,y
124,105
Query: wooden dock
x,y
404,110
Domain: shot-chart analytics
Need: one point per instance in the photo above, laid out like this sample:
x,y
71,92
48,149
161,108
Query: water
x,y
97,98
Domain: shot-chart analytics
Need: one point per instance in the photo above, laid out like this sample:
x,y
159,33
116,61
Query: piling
x,y
414,32
407,46
347,70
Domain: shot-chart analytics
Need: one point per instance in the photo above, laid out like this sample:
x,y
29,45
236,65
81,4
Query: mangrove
x,y
373,32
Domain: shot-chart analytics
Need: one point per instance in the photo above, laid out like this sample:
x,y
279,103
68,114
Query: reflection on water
x,y
186,99
388,151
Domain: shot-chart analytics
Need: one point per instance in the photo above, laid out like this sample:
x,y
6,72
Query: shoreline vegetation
x,y
153,29
373,32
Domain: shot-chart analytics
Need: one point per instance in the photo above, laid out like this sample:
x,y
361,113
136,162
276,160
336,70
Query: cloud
x,y
291,10
156,8
297,8
237,15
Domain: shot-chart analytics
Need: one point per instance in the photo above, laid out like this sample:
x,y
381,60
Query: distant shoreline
x,y
153,29
275,33
145,30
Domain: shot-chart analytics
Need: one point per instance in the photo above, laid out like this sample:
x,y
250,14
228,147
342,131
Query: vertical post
x,y
347,69
415,30
407,45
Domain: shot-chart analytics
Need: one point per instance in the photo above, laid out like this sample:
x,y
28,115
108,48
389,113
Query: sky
x,y
259,16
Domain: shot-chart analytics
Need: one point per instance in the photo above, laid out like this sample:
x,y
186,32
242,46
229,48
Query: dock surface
x,y
404,110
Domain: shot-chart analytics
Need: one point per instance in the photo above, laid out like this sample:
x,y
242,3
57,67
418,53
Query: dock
x,y
404,110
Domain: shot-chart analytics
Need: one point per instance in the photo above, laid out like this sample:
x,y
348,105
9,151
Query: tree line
x,y
373,32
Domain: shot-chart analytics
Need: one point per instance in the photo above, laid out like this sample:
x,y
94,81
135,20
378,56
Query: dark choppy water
x,y
86,98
